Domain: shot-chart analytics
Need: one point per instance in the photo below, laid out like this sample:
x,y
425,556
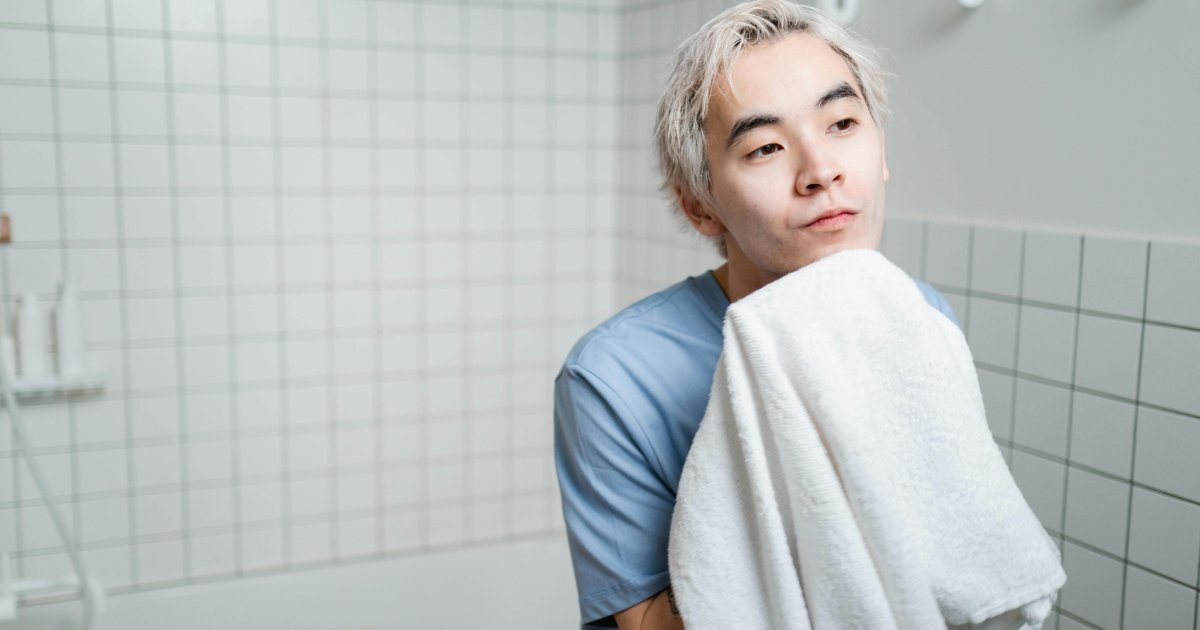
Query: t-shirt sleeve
x,y
616,505
938,301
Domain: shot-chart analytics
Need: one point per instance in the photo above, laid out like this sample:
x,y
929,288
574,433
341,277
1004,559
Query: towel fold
x,y
844,476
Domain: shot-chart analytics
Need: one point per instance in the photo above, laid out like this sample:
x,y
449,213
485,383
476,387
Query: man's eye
x,y
765,150
844,125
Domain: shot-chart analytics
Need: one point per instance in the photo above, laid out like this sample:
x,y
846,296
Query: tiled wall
x,y
656,248
1088,353
330,255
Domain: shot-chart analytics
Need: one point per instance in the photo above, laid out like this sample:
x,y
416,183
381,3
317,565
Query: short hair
x,y
679,129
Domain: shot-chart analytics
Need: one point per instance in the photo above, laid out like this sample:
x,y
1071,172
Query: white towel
x,y
844,475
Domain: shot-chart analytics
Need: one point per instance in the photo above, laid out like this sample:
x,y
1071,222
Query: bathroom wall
x,y
1035,185
330,255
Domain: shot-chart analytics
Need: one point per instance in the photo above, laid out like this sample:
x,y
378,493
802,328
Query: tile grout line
x,y
1133,443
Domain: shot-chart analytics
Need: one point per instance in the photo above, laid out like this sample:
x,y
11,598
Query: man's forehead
x,y
789,74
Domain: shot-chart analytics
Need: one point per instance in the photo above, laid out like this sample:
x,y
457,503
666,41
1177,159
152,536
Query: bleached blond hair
x,y
679,128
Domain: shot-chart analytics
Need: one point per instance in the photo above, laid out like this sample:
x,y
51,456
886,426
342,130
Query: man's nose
x,y
818,170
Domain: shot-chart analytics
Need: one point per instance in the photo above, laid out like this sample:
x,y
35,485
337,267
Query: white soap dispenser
x,y
31,338
68,329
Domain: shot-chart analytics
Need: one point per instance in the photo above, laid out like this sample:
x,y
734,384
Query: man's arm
x,y
657,613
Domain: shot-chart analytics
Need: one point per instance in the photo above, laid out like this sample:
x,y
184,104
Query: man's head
x,y
772,118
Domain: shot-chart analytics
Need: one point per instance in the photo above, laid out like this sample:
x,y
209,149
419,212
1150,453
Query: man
x,y
770,136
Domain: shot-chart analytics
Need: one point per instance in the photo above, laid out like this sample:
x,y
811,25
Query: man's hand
x,y
657,613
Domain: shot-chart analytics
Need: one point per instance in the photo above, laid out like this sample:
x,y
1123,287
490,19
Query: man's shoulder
x,y
673,312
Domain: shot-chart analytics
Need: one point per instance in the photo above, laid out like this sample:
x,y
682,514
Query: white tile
x,y
356,492
299,67
1102,434
198,166
1164,534
160,561
26,109
104,519
1093,588
26,55
1041,483
201,267
197,114
33,218
101,471
149,268
311,543
992,331
904,244
529,77
248,64
396,72
86,165
1107,357
79,13
529,28
357,537
1153,602
254,265
348,69
1170,364
305,311
142,113
402,531
263,502
30,12
444,20
145,165
248,17
84,112
1051,271
141,14
80,57
193,16
151,318
154,417
1166,459
1114,275
140,60
28,164
1047,343
207,413
946,254
206,365
394,22
1040,421
211,555
260,456
310,496
194,63
257,362
996,260
1174,292
146,217
40,271
210,507
1097,508
298,18
250,117
307,358
152,368
256,314
209,461
156,465
262,548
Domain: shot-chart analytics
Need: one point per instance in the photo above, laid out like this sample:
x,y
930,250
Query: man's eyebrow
x,y
839,91
747,124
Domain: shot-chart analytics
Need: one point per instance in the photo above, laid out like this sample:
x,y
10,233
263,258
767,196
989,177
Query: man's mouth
x,y
833,218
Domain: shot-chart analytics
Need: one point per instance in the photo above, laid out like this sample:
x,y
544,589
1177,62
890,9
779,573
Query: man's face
x,y
795,144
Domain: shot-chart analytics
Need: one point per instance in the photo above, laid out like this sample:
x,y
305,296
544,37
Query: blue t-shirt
x,y
627,404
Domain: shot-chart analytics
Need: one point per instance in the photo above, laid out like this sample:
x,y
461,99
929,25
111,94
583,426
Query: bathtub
x,y
524,585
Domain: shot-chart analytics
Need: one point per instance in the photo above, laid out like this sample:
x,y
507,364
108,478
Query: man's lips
x,y
833,218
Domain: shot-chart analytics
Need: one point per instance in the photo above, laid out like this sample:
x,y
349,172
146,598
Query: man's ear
x,y
699,215
883,154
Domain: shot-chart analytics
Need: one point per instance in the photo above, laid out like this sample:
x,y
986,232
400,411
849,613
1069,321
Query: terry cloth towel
x,y
844,475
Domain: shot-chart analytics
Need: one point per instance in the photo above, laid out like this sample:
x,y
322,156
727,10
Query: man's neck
x,y
739,277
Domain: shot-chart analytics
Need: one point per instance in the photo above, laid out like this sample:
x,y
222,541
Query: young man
x,y
770,136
